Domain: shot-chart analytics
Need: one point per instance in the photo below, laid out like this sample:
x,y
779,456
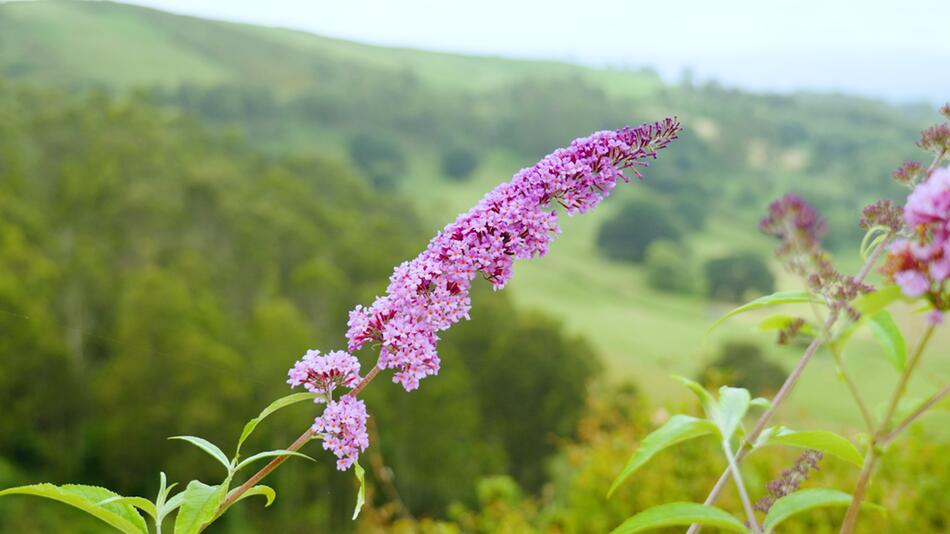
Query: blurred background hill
x,y
186,205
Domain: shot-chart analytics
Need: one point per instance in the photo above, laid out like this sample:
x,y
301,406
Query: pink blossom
x,y
517,220
323,373
921,264
343,429
913,283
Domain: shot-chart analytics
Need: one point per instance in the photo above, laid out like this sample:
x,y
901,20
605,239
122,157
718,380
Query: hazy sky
x,y
870,46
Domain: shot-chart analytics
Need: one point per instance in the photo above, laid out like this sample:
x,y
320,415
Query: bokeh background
x,y
192,197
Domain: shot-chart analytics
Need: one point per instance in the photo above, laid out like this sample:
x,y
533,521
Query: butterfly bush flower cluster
x,y
799,228
517,220
322,374
920,264
343,428
514,221
790,480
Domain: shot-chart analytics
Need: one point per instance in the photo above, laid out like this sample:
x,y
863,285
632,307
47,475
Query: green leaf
x,y
173,503
121,516
278,404
805,500
678,428
361,494
761,402
265,491
208,447
775,299
678,514
709,402
733,405
820,440
889,336
144,505
269,454
199,506
871,303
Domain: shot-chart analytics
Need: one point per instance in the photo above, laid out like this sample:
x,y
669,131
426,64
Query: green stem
x,y
853,388
874,447
304,438
740,486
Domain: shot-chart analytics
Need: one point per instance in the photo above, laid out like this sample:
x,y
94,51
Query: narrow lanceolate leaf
x,y
805,500
889,336
269,454
208,447
761,402
733,405
680,514
144,505
871,303
709,402
679,428
198,507
820,440
361,494
120,516
775,299
264,491
278,404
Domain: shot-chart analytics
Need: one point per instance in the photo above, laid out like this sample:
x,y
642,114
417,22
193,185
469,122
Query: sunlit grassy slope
x,y
642,334
116,44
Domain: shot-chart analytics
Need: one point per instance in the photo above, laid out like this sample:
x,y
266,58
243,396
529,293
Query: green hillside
x,y
123,45
291,92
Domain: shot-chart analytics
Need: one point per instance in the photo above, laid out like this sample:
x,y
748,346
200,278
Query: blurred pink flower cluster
x,y
921,263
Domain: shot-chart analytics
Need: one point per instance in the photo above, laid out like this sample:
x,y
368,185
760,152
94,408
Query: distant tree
x,y
379,157
671,267
732,277
459,162
627,234
742,364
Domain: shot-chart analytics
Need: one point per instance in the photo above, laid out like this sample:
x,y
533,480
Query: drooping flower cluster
x,y
343,429
322,374
790,480
799,228
517,220
514,221
921,264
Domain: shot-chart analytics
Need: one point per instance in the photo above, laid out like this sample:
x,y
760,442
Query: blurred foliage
x,y
735,277
671,267
742,364
459,162
912,484
626,235
158,278
379,157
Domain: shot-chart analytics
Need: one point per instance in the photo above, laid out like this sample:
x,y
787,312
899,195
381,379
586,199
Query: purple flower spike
x,y
515,221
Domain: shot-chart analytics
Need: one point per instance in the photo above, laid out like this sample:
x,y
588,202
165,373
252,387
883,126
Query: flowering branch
x,y
517,220
789,384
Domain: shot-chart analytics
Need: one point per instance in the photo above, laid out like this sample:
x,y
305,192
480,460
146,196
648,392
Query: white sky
x,y
815,40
